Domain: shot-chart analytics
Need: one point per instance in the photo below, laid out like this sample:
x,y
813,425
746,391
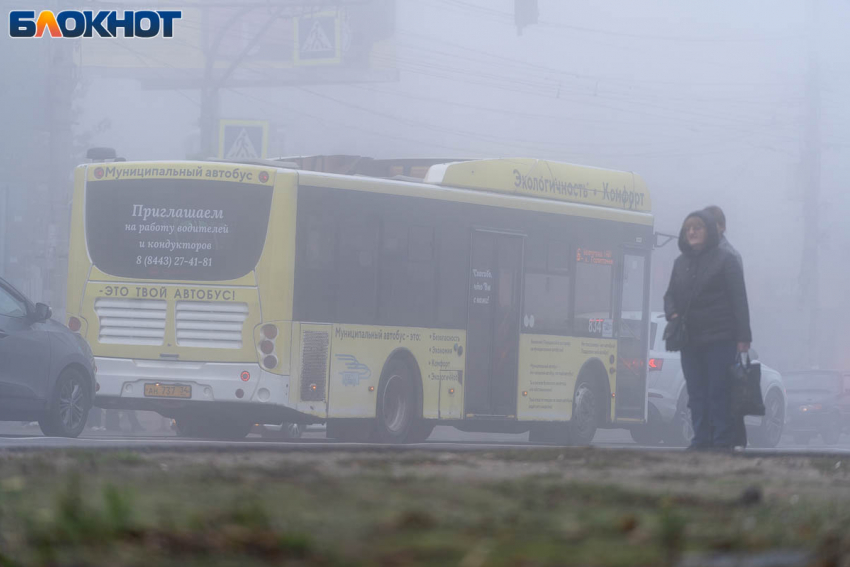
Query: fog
x,y
722,103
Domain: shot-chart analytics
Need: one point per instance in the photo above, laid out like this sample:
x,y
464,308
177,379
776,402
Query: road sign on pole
x,y
243,139
318,39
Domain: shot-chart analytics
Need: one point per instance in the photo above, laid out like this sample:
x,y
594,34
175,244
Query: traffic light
x,y
525,14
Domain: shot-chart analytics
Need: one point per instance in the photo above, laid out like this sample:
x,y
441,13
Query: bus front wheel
x,y
396,405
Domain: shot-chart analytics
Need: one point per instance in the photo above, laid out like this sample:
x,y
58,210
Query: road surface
x,y
157,436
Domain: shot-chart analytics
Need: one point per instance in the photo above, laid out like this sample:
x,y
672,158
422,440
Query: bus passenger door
x,y
632,342
492,339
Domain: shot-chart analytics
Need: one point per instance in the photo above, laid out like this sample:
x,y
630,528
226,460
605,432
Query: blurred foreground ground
x,y
542,506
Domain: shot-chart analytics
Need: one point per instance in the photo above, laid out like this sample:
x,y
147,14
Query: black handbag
x,y
746,386
676,334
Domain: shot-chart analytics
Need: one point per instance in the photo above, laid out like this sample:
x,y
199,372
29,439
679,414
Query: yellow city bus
x,y
379,297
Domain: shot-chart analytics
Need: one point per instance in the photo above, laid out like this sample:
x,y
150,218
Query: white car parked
x,y
668,415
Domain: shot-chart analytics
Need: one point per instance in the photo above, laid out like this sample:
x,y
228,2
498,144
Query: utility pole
x,y
811,165
55,211
212,84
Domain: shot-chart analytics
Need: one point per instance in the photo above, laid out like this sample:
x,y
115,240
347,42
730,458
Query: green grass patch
x,y
558,507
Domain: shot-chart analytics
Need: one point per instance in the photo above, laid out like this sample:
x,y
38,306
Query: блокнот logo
x,y
87,23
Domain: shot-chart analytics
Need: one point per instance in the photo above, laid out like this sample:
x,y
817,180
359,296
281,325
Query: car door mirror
x,y
42,312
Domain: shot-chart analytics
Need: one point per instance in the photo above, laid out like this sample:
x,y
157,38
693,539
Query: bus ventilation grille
x,y
210,324
130,321
314,365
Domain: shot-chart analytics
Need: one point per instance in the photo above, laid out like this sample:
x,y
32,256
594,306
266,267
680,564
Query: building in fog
x,y
36,161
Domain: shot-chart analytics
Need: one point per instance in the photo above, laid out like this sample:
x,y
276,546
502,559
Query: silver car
x,y
668,415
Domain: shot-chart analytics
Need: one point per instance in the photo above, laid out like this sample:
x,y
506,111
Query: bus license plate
x,y
168,391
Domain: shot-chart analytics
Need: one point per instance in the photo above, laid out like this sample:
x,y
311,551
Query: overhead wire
x,y
443,41
559,87
508,17
382,135
497,78
600,101
443,71
461,133
507,144
144,59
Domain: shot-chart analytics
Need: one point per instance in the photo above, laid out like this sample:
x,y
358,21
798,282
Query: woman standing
x,y
707,291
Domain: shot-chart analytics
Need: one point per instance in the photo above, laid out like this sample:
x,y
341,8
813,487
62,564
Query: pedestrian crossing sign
x,y
243,139
318,39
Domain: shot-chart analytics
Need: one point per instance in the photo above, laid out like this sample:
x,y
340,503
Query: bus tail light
x,y
656,364
267,347
74,324
245,376
270,362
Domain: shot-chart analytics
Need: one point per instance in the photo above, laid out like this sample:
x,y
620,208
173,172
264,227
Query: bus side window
x,y
632,322
357,292
392,287
594,298
320,244
546,303
317,274
452,276
421,244
558,257
407,274
422,277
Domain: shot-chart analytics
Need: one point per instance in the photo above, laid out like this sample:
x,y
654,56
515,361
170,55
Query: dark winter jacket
x,y
726,245
709,286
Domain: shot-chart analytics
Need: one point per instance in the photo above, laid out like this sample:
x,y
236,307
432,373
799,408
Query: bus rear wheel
x,y
420,432
585,415
396,406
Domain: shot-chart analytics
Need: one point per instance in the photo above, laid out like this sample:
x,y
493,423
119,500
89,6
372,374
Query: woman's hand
x,y
673,316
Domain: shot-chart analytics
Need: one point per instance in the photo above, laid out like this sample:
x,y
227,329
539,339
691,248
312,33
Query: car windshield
x,y
10,306
811,381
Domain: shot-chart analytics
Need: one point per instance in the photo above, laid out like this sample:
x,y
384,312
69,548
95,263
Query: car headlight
x,y
811,407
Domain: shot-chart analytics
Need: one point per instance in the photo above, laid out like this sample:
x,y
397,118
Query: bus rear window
x,y
176,229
